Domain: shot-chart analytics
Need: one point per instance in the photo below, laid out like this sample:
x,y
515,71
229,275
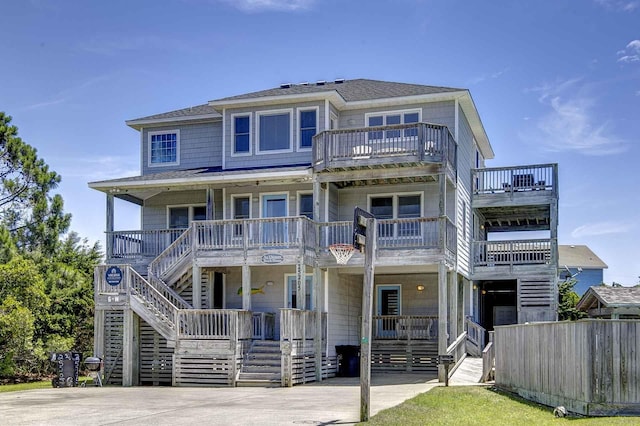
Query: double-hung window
x,y
164,148
241,210
241,134
401,206
305,205
274,131
307,127
391,118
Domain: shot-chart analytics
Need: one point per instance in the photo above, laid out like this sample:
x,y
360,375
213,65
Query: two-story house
x,y
231,281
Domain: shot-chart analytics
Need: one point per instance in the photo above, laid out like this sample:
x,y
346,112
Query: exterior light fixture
x,y
420,287
269,283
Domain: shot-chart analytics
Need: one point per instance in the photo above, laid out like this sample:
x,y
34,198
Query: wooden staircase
x,y
261,365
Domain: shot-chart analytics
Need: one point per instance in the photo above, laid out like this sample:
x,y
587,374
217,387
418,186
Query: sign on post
x,y
113,276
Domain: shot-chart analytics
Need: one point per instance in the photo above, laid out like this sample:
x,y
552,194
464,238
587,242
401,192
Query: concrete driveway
x,y
334,401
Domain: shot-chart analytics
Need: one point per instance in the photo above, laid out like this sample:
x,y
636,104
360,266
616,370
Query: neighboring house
x,y
580,262
230,280
611,302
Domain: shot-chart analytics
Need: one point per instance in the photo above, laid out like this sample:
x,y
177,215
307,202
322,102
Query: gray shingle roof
x,y
191,112
579,256
351,90
615,296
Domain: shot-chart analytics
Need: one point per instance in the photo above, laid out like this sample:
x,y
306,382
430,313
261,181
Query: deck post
x,y
442,317
453,305
210,206
367,312
317,341
128,343
197,286
246,287
109,225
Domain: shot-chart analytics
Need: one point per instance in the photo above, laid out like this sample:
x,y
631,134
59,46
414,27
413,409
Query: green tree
x,y
568,299
33,216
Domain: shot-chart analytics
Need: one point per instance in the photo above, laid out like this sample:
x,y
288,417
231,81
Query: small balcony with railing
x,y
381,146
513,255
518,185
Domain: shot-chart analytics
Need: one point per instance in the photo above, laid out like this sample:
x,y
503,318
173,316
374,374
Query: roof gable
x,y
610,297
579,256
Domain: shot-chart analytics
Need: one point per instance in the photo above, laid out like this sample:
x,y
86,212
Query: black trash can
x,y
348,360
66,366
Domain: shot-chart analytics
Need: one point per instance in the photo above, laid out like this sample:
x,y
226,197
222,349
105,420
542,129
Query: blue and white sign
x,y
113,276
272,258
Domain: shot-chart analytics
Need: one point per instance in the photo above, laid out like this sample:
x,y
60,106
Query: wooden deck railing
x,y
215,324
488,360
422,142
297,324
515,252
539,177
404,327
263,325
295,232
140,244
458,348
475,336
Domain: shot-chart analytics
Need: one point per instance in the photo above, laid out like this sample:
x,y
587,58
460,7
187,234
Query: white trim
x,y
395,196
298,195
400,112
163,132
335,117
286,200
456,118
280,99
138,124
233,134
141,148
168,207
248,176
224,203
259,114
233,204
299,129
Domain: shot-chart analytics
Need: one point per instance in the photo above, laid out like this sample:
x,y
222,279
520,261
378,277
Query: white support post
x,y
453,305
210,205
197,286
317,303
128,342
442,317
301,285
246,287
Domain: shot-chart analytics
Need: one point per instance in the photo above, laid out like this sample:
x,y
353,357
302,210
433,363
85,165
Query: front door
x,y
274,232
389,306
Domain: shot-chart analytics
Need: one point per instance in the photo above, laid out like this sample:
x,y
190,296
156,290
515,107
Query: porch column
x,y
246,287
209,210
98,333
442,316
129,347
317,303
197,286
316,200
301,285
109,225
453,305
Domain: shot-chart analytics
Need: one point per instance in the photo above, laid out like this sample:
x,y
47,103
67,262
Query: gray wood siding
x,y
154,212
345,309
414,302
351,197
334,195
200,146
265,159
255,192
466,161
432,112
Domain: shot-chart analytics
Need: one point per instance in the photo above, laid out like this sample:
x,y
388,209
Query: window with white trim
x,y
241,131
307,127
274,131
405,206
391,118
241,209
179,217
164,148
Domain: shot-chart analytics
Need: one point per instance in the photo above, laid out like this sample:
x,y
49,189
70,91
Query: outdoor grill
x,y
92,363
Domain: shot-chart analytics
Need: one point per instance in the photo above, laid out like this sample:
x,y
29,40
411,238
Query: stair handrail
x,y
139,286
488,359
476,334
176,251
169,293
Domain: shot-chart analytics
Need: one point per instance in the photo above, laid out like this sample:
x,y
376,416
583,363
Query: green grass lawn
x,y
43,384
476,405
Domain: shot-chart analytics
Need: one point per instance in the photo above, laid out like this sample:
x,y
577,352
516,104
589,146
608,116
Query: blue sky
x,y
553,80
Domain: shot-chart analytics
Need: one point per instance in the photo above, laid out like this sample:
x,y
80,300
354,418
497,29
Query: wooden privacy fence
x,y
591,367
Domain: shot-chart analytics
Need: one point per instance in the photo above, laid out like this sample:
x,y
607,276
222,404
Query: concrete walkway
x,y
333,401
469,373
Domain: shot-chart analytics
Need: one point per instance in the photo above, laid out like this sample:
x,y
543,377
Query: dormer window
x,y
164,148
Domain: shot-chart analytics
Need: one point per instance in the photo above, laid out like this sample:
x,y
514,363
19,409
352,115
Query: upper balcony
x,y
518,185
384,146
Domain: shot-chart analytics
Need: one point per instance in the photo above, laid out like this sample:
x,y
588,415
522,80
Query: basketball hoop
x,y
342,252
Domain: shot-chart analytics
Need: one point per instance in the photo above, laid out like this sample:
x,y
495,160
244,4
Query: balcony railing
x,y
282,233
404,327
540,177
516,252
138,244
422,142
